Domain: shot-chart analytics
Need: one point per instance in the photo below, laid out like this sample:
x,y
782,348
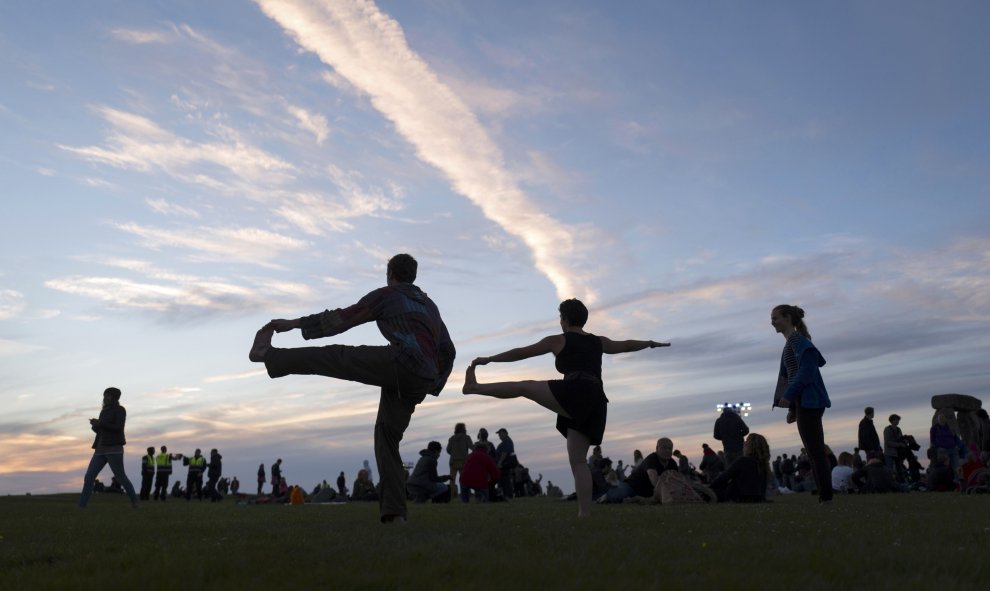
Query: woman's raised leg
x,y
537,391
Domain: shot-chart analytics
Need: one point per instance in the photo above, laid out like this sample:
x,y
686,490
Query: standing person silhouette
x,y
416,362
261,478
578,399
801,390
459,446
108,447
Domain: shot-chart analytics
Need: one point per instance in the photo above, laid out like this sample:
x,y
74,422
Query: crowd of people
x,y
419,359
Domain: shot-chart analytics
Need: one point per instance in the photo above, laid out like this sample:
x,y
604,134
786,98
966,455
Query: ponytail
x,y
796,314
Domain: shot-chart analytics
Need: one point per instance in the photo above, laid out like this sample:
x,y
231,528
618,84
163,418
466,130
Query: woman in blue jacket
x,y
801,390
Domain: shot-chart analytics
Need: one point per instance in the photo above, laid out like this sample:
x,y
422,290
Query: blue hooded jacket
x,y
807,385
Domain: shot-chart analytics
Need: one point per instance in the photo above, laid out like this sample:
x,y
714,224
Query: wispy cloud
x,y
11,303
254,373
368,48
138,143
181,294
8,347
141,36
312,122
167,208
314,214
250,245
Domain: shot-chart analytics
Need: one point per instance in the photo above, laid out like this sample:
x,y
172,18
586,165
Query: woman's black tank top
x,y
581,353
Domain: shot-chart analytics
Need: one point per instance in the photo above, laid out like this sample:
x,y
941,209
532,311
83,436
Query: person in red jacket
x,y
479,473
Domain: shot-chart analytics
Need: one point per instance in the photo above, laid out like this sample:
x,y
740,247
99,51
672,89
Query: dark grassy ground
x,y
908,541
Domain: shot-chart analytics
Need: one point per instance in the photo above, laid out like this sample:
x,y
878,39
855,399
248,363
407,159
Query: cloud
x,y
311,122
141,37
254,373
250,245
8,347
166,208
183,295
138,143
315,214
369,50
11,303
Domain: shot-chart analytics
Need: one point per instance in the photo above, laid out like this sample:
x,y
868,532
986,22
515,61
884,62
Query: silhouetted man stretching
x,y
416,362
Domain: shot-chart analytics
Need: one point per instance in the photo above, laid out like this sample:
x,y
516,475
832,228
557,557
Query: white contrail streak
x,y
368,48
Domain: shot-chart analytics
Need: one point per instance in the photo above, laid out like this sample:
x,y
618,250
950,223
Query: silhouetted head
x,y
665,448
786,315
894,419
460,428
433,446
756,445
151,451
402,268
111,396
483,434
573,312
868,411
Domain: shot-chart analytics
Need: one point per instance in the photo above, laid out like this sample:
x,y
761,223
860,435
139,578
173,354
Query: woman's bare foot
x,y
262,343
470,382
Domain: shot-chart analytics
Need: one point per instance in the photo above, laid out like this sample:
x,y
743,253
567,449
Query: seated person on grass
x,y
746,479
876,477
643,479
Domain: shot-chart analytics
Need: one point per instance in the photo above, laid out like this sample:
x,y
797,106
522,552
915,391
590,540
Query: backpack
x,y
673,488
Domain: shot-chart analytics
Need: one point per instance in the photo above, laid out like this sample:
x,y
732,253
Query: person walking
x,y
578,399
261,478
415,363
802,391
108,447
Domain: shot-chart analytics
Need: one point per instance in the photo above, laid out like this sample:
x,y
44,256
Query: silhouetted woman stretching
x,y
578,399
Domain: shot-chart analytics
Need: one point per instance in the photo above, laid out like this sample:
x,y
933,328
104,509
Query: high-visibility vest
x,y
197,464
164,461
149,463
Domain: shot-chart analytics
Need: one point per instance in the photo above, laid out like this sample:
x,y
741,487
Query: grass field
x,y
908,541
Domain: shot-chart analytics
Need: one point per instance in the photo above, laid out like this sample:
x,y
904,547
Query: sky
x,y
178,173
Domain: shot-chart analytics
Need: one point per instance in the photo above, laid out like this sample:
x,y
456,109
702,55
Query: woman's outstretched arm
x,y
611,347
551,344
